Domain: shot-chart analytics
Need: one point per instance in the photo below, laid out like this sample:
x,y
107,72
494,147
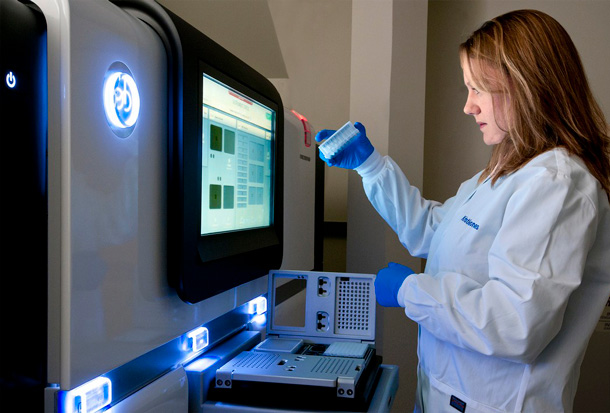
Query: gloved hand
x,y
354,154
388,282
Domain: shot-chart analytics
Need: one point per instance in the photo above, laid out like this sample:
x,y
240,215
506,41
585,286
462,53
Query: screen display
x,y
237,144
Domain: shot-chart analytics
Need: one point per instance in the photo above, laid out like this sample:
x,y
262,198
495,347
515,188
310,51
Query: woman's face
x,y
481,105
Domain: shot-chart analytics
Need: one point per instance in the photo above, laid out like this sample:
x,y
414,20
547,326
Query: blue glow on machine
x,y
121,99
90,397
202,364
197,339
257,306
11,80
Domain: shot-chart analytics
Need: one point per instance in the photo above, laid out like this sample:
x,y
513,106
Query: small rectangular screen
x,y
236,162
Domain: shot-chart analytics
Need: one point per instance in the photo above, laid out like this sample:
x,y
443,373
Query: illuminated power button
x,y
11,80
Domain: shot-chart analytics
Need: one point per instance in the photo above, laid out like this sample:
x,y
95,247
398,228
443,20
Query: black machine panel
x,y
23,233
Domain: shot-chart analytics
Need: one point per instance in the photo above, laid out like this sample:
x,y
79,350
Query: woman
x,y
518,269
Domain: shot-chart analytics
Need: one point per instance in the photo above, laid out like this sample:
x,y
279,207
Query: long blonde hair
x,y
527,57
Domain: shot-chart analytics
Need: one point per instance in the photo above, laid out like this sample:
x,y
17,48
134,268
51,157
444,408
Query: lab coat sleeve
x,y
413,218
535,262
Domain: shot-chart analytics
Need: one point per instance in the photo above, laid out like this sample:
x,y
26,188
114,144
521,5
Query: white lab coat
x,y
517,276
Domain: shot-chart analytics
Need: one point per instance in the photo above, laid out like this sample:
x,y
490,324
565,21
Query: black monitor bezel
x,y
199,266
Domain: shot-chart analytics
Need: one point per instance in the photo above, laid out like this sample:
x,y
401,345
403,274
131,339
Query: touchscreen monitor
x,y
236,160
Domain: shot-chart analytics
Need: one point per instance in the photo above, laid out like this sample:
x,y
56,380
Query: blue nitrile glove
x,y
354,154
388,282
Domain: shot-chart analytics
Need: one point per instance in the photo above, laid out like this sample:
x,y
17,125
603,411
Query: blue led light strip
x,y
90,397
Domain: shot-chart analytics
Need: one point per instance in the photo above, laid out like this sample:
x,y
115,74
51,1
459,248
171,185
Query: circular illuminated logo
x,y
121,100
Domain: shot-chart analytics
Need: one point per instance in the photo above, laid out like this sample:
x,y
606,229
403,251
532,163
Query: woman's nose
x,y
470,108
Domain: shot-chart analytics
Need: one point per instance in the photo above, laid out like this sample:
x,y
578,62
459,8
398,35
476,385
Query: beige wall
x,y
315,39
243,27
388,96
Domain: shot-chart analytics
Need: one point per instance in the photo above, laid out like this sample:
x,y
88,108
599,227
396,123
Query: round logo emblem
x,y
121,99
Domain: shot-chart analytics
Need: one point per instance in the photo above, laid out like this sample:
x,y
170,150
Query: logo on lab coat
x,y
470,222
